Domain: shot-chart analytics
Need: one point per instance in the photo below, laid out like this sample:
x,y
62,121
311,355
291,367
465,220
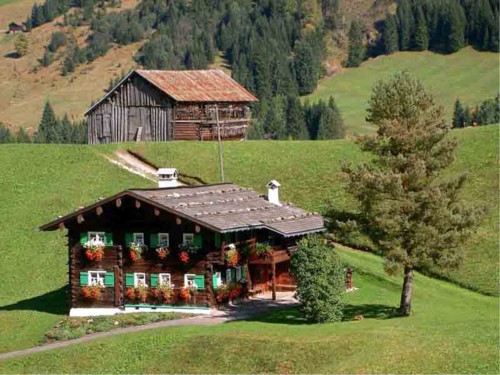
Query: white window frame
x,y
167,242
100,276
185,241
135,238
91,235
186,281
218,275
239,274
136,279
166,275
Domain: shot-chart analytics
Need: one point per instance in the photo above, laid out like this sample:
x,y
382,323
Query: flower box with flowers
x,y
139,294
92,293
136,250
162,294
232,257
94,249
162,252
228,292
188,294
261,251
187,252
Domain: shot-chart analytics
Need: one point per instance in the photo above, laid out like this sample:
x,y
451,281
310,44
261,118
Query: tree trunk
x,y
406,294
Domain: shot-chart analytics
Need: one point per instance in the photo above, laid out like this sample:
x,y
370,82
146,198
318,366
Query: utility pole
x,y
221,157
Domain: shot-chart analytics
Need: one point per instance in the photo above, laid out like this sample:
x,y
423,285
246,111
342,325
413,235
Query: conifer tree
x,y
405,23
458,115
47,129
390,34
455,27
295,121
305,68
22,136
412,212
22,45
5,134
330,123
421,39
357,50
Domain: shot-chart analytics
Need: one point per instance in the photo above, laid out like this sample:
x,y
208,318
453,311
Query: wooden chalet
x,y
213,220
157,105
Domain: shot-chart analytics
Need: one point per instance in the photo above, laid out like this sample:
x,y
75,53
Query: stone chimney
x,y
273,192
168,177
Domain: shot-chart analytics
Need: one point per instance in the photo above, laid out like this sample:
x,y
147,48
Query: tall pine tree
x,y
421,37
48,128
390,36
357,49
295,120
405,24
458,115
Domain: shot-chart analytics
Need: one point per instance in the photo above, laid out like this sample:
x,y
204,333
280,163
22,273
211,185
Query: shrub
x,y
320,280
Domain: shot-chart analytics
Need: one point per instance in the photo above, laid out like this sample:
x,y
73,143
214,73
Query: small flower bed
x,y
138,294
226,293
162,293
94,249
186,294
232,258
162,252
263,249
92,292
136,250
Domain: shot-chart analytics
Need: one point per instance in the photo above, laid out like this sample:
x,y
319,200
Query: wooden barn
x,y
185,248
156,105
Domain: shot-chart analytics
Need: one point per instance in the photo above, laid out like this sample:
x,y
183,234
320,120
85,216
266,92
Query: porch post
x,y
273,282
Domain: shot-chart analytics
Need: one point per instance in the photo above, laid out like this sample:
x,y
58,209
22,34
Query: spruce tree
x,y
390,37
305,68
405,24
5,134
330,122
455,27
467,119
22,45
357,50
421,38
413,213
22,136
295,121
458,115
47,129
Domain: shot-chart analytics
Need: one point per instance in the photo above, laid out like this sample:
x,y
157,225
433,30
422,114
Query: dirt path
x,y
247,309
129,162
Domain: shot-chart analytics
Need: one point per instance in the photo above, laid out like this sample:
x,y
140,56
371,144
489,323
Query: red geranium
x,y
91,292
133,256
184,257
185,295
162,252
232,258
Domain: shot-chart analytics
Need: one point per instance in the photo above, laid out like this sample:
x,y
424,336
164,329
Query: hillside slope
x,y
468,75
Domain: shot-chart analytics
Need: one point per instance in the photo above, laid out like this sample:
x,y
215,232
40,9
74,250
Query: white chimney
x,y
273,195
168,177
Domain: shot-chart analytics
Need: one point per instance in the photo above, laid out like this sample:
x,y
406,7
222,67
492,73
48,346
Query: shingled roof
x,y
221,207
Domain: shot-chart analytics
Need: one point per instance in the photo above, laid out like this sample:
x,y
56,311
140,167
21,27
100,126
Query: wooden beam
x,y
80,219
157,212
116,272
137,203
118,202
98,210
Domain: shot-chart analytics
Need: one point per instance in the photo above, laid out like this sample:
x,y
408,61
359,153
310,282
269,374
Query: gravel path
x,y
247,309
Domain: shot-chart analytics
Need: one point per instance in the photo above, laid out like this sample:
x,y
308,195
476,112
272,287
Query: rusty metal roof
x,y
198,85
220,207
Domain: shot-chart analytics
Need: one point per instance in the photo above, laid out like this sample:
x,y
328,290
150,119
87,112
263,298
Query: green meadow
x,y
468,75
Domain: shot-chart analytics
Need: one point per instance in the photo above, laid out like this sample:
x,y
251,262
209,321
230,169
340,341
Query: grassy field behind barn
x,y
39,182
453,330
468,75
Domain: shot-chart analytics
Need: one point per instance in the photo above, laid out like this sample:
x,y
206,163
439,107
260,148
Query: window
x,y
139,238
229,275
217,279
140,279
189,280
238,273
97,277
187,238
163,239
164,279
96,236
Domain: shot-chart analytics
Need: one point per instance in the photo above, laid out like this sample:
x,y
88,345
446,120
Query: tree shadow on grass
x,y
54,302
369,311
286,315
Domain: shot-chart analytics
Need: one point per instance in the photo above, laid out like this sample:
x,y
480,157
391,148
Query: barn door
x,y
146,123
134,122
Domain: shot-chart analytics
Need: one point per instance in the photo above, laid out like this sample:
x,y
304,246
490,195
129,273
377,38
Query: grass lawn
x,y
37,183
310,176
452,331
468,75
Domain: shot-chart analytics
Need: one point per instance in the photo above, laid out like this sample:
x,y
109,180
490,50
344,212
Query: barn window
x,y
96,277
140,280
139,238
187,238
165,279
163,239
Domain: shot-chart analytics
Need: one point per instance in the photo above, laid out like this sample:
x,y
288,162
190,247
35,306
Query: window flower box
x,y
136,250
138,294
162,252
92,293
162,293
94,249
232,257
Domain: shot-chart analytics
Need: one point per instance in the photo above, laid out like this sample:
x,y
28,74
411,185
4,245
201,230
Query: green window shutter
x,y
83,237
199,281
108,239
198,241
84,278
214,281
154,279
129,279
233,275
129,237
153,240
217,240
243,272
109,279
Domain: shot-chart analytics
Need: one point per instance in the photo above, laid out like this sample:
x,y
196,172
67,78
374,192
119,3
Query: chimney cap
x,y
273,184
167,171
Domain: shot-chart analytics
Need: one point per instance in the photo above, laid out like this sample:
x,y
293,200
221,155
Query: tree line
x,y
51,129
488,112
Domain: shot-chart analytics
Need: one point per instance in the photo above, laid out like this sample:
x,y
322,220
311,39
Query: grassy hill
x,y
468,75
39,182
452,331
